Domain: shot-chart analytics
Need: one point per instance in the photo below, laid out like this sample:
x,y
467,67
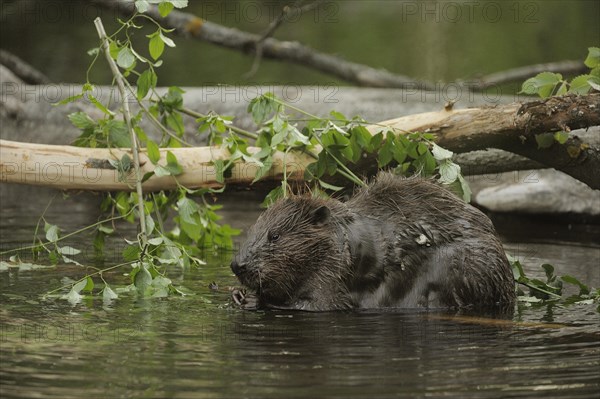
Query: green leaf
x,y
155,241
156,45
465,188
150,225
52,232
262,107
114,50
78,287
175,122
328,186
595,81
179,3
146,81
153,151
172,162
518,272
219,165
441,154
125,59
580,84
385,154
106,230
338,117
108,294
125,163
187,209
70,251
69,100
561,137
142,6
542,84
273,196
169,42
93,51
89,284
142,279
264,169
99,105
375,142
449,171
81,120
429,163
73,296
562,89
165,9
549,270
593,58
147,176
131,253
193,230
583,289
544,140
118,134
161,171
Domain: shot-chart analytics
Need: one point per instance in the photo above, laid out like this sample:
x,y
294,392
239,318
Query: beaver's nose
x,y
237,266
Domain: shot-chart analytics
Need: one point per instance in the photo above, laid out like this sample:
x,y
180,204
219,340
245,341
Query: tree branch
x,y
190,25
522,73
22,69
127,115
286,12
511,127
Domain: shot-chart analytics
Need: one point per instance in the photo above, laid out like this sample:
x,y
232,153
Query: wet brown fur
x,y
396,243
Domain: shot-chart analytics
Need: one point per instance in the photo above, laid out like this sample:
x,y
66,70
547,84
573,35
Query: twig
x,y
235,129
127,115
73,233
525,72
286,12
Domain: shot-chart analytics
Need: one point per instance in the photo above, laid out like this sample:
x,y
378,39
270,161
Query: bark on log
x,y
511,127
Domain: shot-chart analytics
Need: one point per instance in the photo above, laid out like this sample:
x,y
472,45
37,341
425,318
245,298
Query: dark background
x,y
435,41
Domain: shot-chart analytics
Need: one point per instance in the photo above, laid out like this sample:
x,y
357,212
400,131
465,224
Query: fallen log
x,y
510,127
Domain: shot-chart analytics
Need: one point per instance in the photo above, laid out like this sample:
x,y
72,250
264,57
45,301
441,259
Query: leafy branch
x,y
551,291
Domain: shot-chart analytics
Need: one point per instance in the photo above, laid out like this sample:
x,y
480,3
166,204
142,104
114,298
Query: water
x,y
435,41
201,347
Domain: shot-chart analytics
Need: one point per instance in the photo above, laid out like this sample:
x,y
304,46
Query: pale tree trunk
x,y
511,127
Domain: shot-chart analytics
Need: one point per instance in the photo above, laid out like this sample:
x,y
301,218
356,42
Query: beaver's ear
x,y
321,215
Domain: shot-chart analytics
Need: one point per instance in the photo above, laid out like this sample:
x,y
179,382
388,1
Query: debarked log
x,y
510,127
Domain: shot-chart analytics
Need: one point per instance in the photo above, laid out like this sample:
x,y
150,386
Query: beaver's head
x,y
290,242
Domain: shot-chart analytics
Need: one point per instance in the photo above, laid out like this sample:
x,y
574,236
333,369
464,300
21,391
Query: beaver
x,y
397,243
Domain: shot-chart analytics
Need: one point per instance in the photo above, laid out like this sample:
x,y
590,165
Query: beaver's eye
x,y
272,237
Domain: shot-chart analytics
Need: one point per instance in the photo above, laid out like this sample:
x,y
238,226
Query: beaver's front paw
x,y
243,299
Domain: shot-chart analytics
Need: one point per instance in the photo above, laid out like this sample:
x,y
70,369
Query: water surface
x,y
201,347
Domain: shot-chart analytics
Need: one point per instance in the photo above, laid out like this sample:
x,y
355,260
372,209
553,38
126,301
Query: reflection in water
x,y
199,346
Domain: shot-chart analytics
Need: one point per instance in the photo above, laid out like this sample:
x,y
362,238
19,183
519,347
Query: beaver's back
x,y
434,241
418,200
